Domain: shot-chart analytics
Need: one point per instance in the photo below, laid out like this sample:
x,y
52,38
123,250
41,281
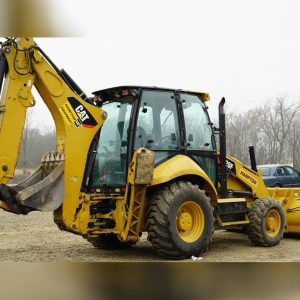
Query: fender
x,y
180,166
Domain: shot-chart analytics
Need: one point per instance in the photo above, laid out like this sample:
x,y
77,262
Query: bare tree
x,y
294,142
278,119
34,144
274,131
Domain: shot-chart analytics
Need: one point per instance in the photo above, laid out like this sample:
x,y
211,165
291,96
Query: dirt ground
x,y
36,238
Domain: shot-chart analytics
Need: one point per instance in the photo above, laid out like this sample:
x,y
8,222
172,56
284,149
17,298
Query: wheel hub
x,y
190,221
184,221
273,223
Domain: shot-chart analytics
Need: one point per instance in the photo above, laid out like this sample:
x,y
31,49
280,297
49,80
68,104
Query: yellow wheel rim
x,y
190,221
273,223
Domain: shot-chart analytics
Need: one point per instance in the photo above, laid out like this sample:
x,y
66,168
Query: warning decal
x,y
248,177
75,113
69,114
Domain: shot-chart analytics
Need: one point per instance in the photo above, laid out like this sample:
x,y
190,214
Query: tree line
x,y
273,129
35,144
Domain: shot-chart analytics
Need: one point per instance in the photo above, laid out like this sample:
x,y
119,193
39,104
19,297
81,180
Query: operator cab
x,y
166,121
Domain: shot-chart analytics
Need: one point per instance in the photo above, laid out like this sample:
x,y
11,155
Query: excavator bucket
x,y
44,195
43,190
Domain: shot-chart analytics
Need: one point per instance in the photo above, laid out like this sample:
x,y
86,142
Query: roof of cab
x,y
204,96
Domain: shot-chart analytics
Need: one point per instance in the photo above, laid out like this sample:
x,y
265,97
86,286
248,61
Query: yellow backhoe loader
x,y
132,159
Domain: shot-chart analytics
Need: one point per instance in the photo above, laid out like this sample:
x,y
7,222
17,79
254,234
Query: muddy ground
x,y
36,238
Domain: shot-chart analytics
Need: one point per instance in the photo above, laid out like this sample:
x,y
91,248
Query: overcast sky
x,y
247,51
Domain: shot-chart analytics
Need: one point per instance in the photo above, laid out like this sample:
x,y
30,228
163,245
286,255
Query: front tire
x,y
267,222
180,221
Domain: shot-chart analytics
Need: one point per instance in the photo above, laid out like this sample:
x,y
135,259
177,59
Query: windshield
x,y
110,164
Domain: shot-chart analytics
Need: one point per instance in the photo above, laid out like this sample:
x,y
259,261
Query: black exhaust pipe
x,y
252,158
3,69
222,136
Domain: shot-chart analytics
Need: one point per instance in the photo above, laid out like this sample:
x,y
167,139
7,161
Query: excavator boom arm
x,y
77,124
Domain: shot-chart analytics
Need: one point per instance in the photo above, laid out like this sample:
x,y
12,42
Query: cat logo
x,y
230,165
84,117
75,113
82,113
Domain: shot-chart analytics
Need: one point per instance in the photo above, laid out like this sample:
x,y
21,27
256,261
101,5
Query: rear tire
x,y
179,221
110,241
267,222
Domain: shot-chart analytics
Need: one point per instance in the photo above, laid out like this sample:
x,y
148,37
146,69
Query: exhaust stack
x,y
252,158
222,136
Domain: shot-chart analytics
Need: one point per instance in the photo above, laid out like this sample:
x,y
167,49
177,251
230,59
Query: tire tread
x,y
256,217
157,223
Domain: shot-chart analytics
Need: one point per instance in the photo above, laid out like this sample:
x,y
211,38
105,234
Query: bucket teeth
x,y
51,160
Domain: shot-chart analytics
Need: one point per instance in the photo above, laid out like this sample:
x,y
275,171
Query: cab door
x,y
157,125
199,139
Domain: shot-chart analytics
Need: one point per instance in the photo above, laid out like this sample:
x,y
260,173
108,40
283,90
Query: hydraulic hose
x,y
3,69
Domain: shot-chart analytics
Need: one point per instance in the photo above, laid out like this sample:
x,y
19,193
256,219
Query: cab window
x,y
200,143
157,125
197,126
